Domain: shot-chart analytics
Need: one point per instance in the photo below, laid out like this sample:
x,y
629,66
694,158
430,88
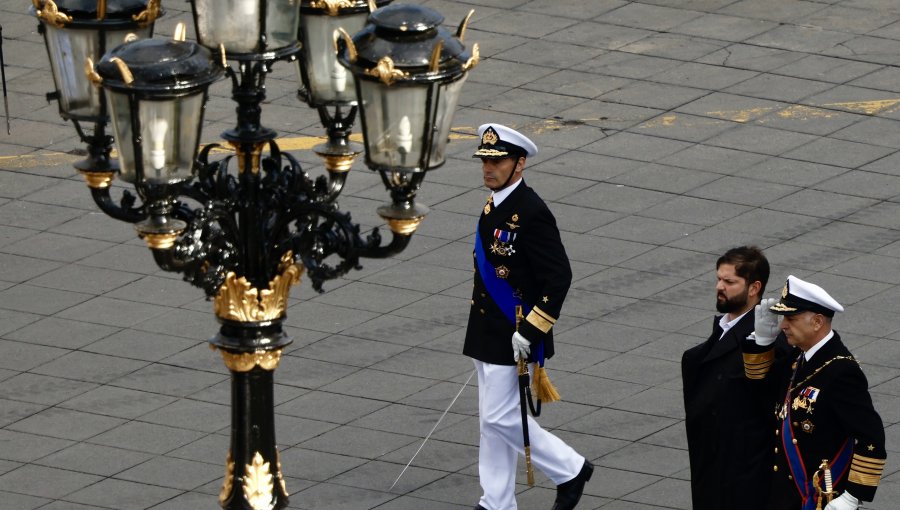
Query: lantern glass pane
x,y
170,134
329,81
447,101
395,124
68,49
238,24
120,114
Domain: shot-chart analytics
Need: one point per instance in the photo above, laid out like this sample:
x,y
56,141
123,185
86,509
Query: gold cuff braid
x,y
540,319
756,366
866,470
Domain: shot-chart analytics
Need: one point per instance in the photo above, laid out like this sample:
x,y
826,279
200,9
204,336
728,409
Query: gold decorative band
x,y
239,301
254,157
756,366
341,163
98,180
404,227
258,483
160,241
247,361
864,479
540,319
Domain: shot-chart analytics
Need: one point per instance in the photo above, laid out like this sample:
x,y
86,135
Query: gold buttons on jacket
x,y
775,468
776,449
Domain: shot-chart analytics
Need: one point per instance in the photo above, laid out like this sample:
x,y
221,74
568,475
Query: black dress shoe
x,y
568,493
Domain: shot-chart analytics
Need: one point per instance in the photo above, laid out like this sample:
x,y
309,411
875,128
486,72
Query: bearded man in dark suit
x,y
727,423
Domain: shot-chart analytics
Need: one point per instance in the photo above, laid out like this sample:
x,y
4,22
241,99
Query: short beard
x,y
734,304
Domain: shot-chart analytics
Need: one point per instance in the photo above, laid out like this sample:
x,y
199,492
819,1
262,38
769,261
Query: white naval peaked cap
x,y
799,296
499,141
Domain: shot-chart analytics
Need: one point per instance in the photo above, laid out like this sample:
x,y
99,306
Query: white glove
x,y
844,502
521,347
765,322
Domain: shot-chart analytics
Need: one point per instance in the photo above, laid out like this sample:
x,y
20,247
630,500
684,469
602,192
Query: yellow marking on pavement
x,y
800,113
869,107
740,115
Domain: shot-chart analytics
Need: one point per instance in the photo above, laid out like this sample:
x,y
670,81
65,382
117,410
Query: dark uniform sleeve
x,y
858,417
549,264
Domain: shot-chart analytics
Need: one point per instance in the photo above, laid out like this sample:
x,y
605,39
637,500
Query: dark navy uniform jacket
x,y
829,405
727,423
522,243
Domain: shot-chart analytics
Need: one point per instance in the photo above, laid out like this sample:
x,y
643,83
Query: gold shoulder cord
x,y
810,376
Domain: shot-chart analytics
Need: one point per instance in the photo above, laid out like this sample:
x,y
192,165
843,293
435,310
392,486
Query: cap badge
x,y
489,137
784,291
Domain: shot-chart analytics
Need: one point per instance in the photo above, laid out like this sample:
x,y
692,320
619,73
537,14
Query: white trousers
x,y
500,421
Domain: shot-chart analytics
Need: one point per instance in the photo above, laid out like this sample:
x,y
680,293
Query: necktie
x,y
489,205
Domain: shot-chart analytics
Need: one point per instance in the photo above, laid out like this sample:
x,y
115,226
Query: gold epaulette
x,y
866,470
540,319
756,366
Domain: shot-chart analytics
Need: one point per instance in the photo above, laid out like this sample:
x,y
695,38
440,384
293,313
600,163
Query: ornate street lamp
x,y
409,71
78,31
325,83
245,233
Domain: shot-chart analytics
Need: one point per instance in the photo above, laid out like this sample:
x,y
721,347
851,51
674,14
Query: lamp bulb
x,y
404,135
338,77
158,129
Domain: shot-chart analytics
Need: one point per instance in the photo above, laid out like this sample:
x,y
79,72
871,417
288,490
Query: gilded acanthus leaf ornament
x,y
331,6
49,12
227,483
239,301
385,71
258,484
280,476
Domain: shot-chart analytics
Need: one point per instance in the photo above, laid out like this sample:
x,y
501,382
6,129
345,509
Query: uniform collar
x,y
814,349
500,196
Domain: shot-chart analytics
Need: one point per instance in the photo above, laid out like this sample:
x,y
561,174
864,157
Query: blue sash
x,y
502,293
838,465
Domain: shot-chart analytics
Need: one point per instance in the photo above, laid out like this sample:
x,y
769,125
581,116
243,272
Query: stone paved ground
x,y
669,130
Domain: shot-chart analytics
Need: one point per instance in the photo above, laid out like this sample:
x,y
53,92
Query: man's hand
x,y
845,502
521,347
765,322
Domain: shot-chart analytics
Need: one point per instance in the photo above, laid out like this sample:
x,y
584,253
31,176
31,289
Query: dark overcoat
x,y
728,424
522,243
833,406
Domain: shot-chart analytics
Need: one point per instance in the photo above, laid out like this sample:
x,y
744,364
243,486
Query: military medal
x,y
512,224
503,242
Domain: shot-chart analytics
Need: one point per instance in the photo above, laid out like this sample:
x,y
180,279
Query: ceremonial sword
x,y
3,78
433,429
523,404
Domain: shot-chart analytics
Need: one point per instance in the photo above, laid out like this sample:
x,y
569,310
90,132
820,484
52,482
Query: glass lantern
x,y
157,91
77,30
409,71
252,29
324,80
